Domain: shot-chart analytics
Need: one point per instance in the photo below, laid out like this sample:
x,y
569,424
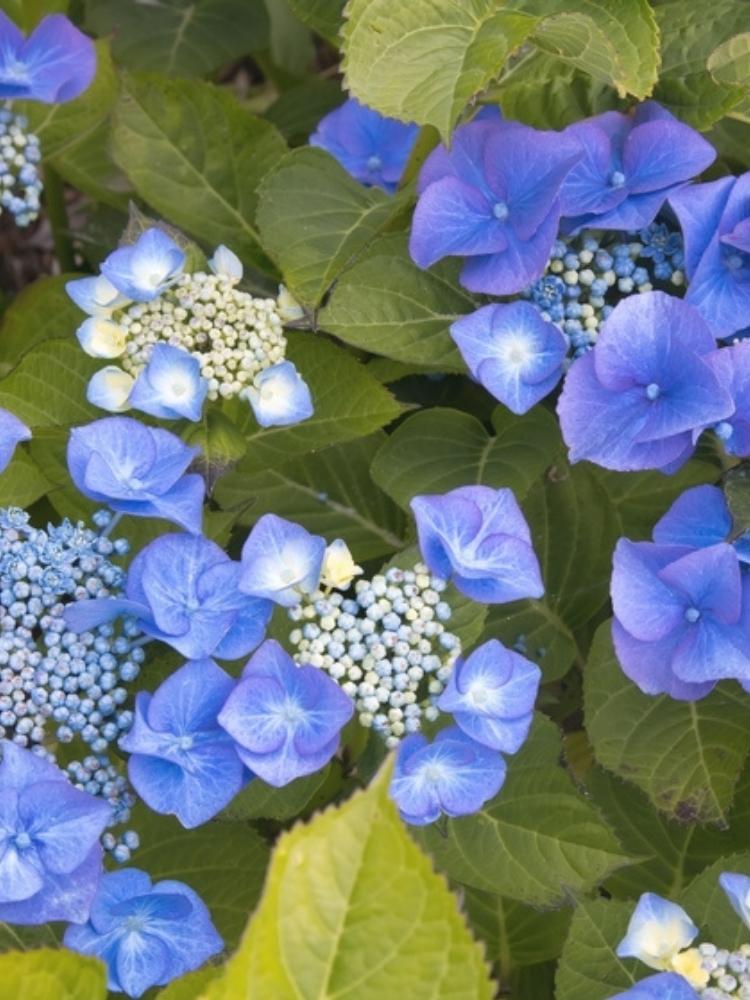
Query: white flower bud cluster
x,y
729,972
387,646
20,182
234,335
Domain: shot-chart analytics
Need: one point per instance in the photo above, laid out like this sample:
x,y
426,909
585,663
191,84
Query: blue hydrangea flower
x,y
636,400
96,296
682,617
183,589
494,198
737,889
56,63
146,934
491,696
665,986
281,561
12,432
280,396
136,470
50,855
732,367
170,386
110,388
631,164
479,537
715,220
146,268
182,762
657,932
452,776
698,518
514,353
372,148
286,719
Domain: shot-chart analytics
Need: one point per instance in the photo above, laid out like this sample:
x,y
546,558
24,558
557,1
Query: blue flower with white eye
x,y
110,389
732,366
181,761
493,198
96,296
715,221
136,470
183,589
370,147
454,775
665,986
280,396
50,855
658,931
12,432
479,537
491,696
281,561
147,934
638,398
170,386
56,63
631,164
146,268
514,353
737,889
286,719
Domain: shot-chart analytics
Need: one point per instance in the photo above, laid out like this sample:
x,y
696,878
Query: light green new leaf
x,y
197,157
386,305
352,909
192,986
47,388
538,841
48,974
588,965
42,311
730,62
686,756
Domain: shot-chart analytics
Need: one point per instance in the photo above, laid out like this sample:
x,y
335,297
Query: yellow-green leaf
x,y
49,974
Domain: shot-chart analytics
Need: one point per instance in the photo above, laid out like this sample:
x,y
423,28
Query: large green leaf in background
x,y
42,311
323,16
51,975
48,386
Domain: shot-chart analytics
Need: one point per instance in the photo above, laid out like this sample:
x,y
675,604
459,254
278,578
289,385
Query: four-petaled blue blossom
x,y
136,470
514,353
281,561
182,761
170,386
12,432
453,776
183,589
56,63
146,934
372,148
715,221
631,164
491,696
479,537
286,719
146,268
494,198
737,889
658,931
280,396
637,399
50,855
665,986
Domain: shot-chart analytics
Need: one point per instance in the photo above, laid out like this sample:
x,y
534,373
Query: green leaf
x,y
729,62
323,16
22,482
588,965
706,903
386,305
48,385
49,974
422,61
737,493
314,220
182,37
41,311
329,492
353,909
190,987
292,46
197,157
538,841
514,933
436,450
261,801
297,111
686,756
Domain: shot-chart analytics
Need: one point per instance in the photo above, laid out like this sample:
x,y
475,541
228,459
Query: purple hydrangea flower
x,y
479,537
136,470
146,934
732,367
631,164
170,386
658,930
184,590
56,63
715,221
280,396
281,561
50,855
182,762
682,617
143,270
453,776
491,696
514,353
494,198
737,889
665,986
12,432
286,719
636,400
373,149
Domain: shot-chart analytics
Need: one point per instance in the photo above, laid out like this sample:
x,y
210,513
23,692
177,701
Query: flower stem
x,y
57,214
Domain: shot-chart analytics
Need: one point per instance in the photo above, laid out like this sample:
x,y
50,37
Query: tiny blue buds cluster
x,y
20,180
